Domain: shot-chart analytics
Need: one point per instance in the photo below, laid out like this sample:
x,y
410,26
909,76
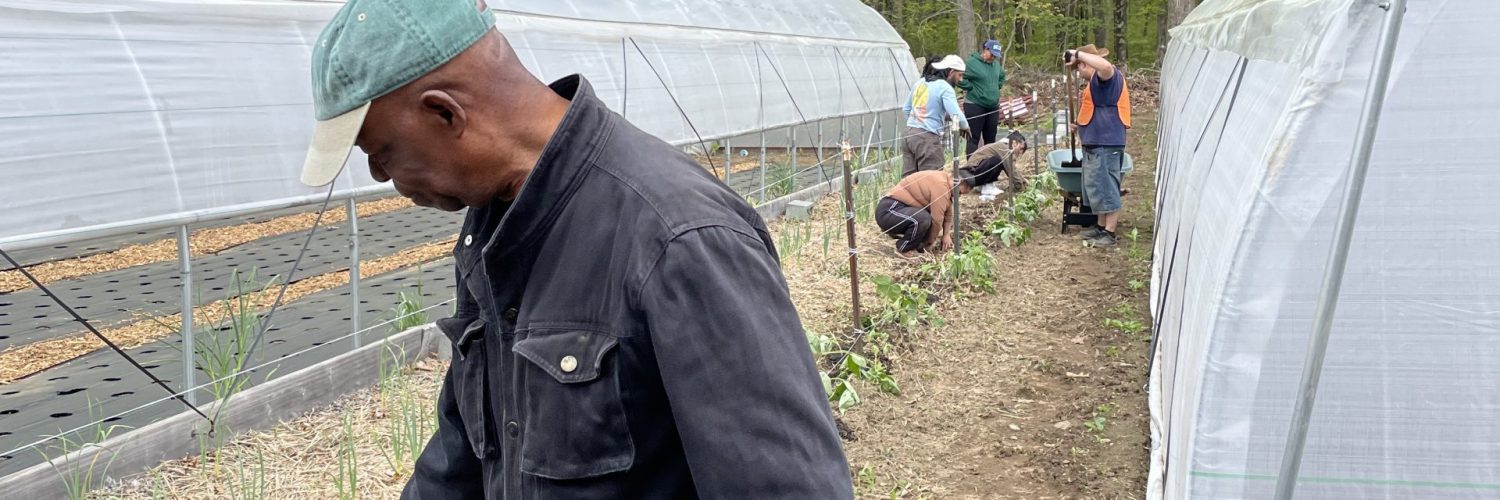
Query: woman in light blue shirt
x,y
932,102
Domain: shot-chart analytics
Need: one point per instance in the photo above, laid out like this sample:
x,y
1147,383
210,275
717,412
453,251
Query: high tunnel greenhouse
x,y
1261,107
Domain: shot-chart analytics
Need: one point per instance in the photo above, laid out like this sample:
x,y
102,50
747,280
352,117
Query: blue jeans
x,y
1101,177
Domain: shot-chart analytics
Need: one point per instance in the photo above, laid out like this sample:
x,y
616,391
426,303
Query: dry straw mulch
x,y
202,242
33,358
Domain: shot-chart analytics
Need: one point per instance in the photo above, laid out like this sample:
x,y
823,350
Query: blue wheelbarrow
x,y
1070,181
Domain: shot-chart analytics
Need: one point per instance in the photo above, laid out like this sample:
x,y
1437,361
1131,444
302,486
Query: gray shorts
x,y
920,150
1101,177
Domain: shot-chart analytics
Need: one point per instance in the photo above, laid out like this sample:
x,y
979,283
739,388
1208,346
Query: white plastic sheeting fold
x,y
1254,148
114,113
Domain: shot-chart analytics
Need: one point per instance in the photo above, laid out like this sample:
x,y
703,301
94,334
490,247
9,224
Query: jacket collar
x,y
579,137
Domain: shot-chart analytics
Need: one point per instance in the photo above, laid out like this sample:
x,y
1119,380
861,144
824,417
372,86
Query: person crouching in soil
x,y
917,212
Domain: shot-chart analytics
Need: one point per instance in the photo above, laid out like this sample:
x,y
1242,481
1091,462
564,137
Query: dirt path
x,y
1025,393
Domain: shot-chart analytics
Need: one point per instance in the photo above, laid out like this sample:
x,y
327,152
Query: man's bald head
x,y
465,133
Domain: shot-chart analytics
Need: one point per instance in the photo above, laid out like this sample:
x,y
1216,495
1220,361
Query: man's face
x,y
417,153
955,76
986,55
1085,71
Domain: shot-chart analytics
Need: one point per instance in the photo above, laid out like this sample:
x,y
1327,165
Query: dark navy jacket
x,y
623,330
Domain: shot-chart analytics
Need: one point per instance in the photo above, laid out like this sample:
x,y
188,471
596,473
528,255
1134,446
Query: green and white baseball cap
x,y
370,48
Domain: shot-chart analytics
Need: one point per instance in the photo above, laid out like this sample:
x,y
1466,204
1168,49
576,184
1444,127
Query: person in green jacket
x,y
983,76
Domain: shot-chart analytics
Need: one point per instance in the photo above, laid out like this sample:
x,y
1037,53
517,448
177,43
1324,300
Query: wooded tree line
x,y
1034,32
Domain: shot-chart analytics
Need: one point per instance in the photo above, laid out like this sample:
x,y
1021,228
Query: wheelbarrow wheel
x,y
1067,209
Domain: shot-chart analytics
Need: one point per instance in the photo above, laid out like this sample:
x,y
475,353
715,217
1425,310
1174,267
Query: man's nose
x,y
376,172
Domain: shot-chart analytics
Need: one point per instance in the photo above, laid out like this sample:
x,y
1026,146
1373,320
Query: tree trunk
x,y
1161,36
1122,42
987,19
1177,10
967,40
896,18
1101,16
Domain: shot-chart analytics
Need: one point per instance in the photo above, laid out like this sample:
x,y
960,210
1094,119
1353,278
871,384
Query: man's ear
x,y
440,106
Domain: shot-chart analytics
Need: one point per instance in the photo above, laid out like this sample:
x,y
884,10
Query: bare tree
x,y
1100,14
1177,10
895,12
1122,14
1161,36
967,39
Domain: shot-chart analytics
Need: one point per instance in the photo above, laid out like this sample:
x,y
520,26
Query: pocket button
x,y
512,429
568,364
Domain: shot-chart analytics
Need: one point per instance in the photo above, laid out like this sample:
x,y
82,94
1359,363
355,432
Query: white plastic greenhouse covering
x,y
1259,105
119,113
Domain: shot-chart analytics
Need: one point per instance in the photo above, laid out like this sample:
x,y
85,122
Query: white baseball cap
x,y
950,61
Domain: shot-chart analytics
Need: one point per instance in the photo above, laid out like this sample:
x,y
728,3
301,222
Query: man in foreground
x,y
917,212
597,352
931,104
1103,116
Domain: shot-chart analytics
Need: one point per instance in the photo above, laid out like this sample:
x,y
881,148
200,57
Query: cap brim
x,y
332,141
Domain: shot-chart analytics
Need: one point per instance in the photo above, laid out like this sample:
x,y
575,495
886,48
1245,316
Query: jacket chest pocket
x,y
469,370
574,418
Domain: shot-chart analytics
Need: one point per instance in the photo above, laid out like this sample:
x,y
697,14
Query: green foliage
x,y
1136,285
1033,32
970,264
867,478
221,350
408,313
1136,252
793,236
80,479
346,479
1027,205
1096,424
410,421
1100,419
249,478
1124,309
1024,208
839,385
1128,326
221,342
781,180
1009,232
902,304
1045,182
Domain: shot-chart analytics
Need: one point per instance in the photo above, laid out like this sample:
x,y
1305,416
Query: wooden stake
x,y
846,155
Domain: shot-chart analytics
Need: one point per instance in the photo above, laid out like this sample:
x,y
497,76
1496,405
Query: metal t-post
x,y
865,131
821,177
793,149
1036,135
1338,254
761,90
728,159
185,273
951,144
354,268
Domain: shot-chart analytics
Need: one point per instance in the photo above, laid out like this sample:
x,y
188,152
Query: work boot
x,y
1103,239
1090,233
